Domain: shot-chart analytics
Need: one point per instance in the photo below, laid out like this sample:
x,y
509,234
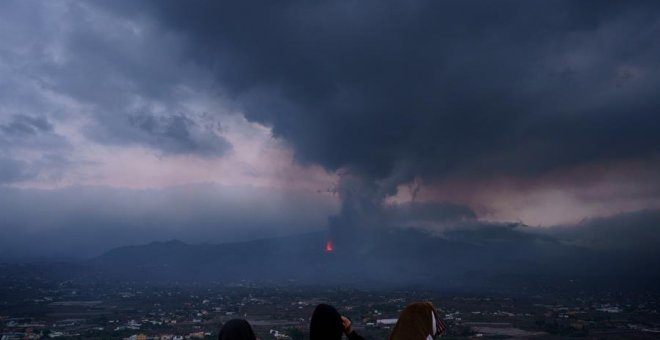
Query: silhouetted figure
x,y
418,321
236,329
328,324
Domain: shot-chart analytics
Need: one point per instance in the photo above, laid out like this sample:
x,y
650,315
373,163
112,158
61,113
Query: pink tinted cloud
x,y
256,159
561,197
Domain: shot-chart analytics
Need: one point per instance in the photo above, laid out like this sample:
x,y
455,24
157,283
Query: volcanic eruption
x,y
329,247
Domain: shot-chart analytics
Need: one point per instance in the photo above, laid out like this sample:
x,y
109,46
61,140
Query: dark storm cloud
x,y
170,134
428,212
31,132
103,68
26,125
180,134
427,88
630,232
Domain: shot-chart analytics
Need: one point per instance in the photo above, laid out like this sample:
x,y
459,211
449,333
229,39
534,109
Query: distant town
x,y
33,307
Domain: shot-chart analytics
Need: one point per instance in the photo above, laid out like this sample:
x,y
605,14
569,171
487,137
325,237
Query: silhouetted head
x,y
325,324
236,329
418,321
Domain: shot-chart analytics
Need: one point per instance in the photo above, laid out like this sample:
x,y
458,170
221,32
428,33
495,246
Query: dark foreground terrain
x,y
36,307
497,282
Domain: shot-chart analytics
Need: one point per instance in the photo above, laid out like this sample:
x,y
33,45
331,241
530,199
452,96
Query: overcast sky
x,y
131,121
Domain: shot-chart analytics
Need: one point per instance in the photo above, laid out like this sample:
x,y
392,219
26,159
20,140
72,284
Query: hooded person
x,y
236,329
328,324
418,321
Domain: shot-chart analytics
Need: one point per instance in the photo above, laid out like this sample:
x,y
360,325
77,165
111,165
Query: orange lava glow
x,y
329,247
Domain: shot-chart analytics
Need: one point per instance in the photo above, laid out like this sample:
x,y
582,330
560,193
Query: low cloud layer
x,y
636,232
84,222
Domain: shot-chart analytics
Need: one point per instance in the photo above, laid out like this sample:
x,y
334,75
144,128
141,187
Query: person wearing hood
x,y
328,324
236,329
418,321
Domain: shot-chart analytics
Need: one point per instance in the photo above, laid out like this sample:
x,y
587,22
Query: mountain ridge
x,y
461,258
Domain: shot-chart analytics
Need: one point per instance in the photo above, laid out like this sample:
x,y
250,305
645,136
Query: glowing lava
x,y
329,247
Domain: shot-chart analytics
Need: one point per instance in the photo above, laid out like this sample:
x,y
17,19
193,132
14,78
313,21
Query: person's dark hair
x,y
418,321
325,324
236,329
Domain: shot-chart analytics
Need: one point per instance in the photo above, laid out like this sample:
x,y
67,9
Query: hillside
x,y
485,258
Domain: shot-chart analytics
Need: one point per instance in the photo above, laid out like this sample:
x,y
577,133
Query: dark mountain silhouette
x,y
492,258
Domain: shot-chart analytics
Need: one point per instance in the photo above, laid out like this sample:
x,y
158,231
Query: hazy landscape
x,y
167,166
